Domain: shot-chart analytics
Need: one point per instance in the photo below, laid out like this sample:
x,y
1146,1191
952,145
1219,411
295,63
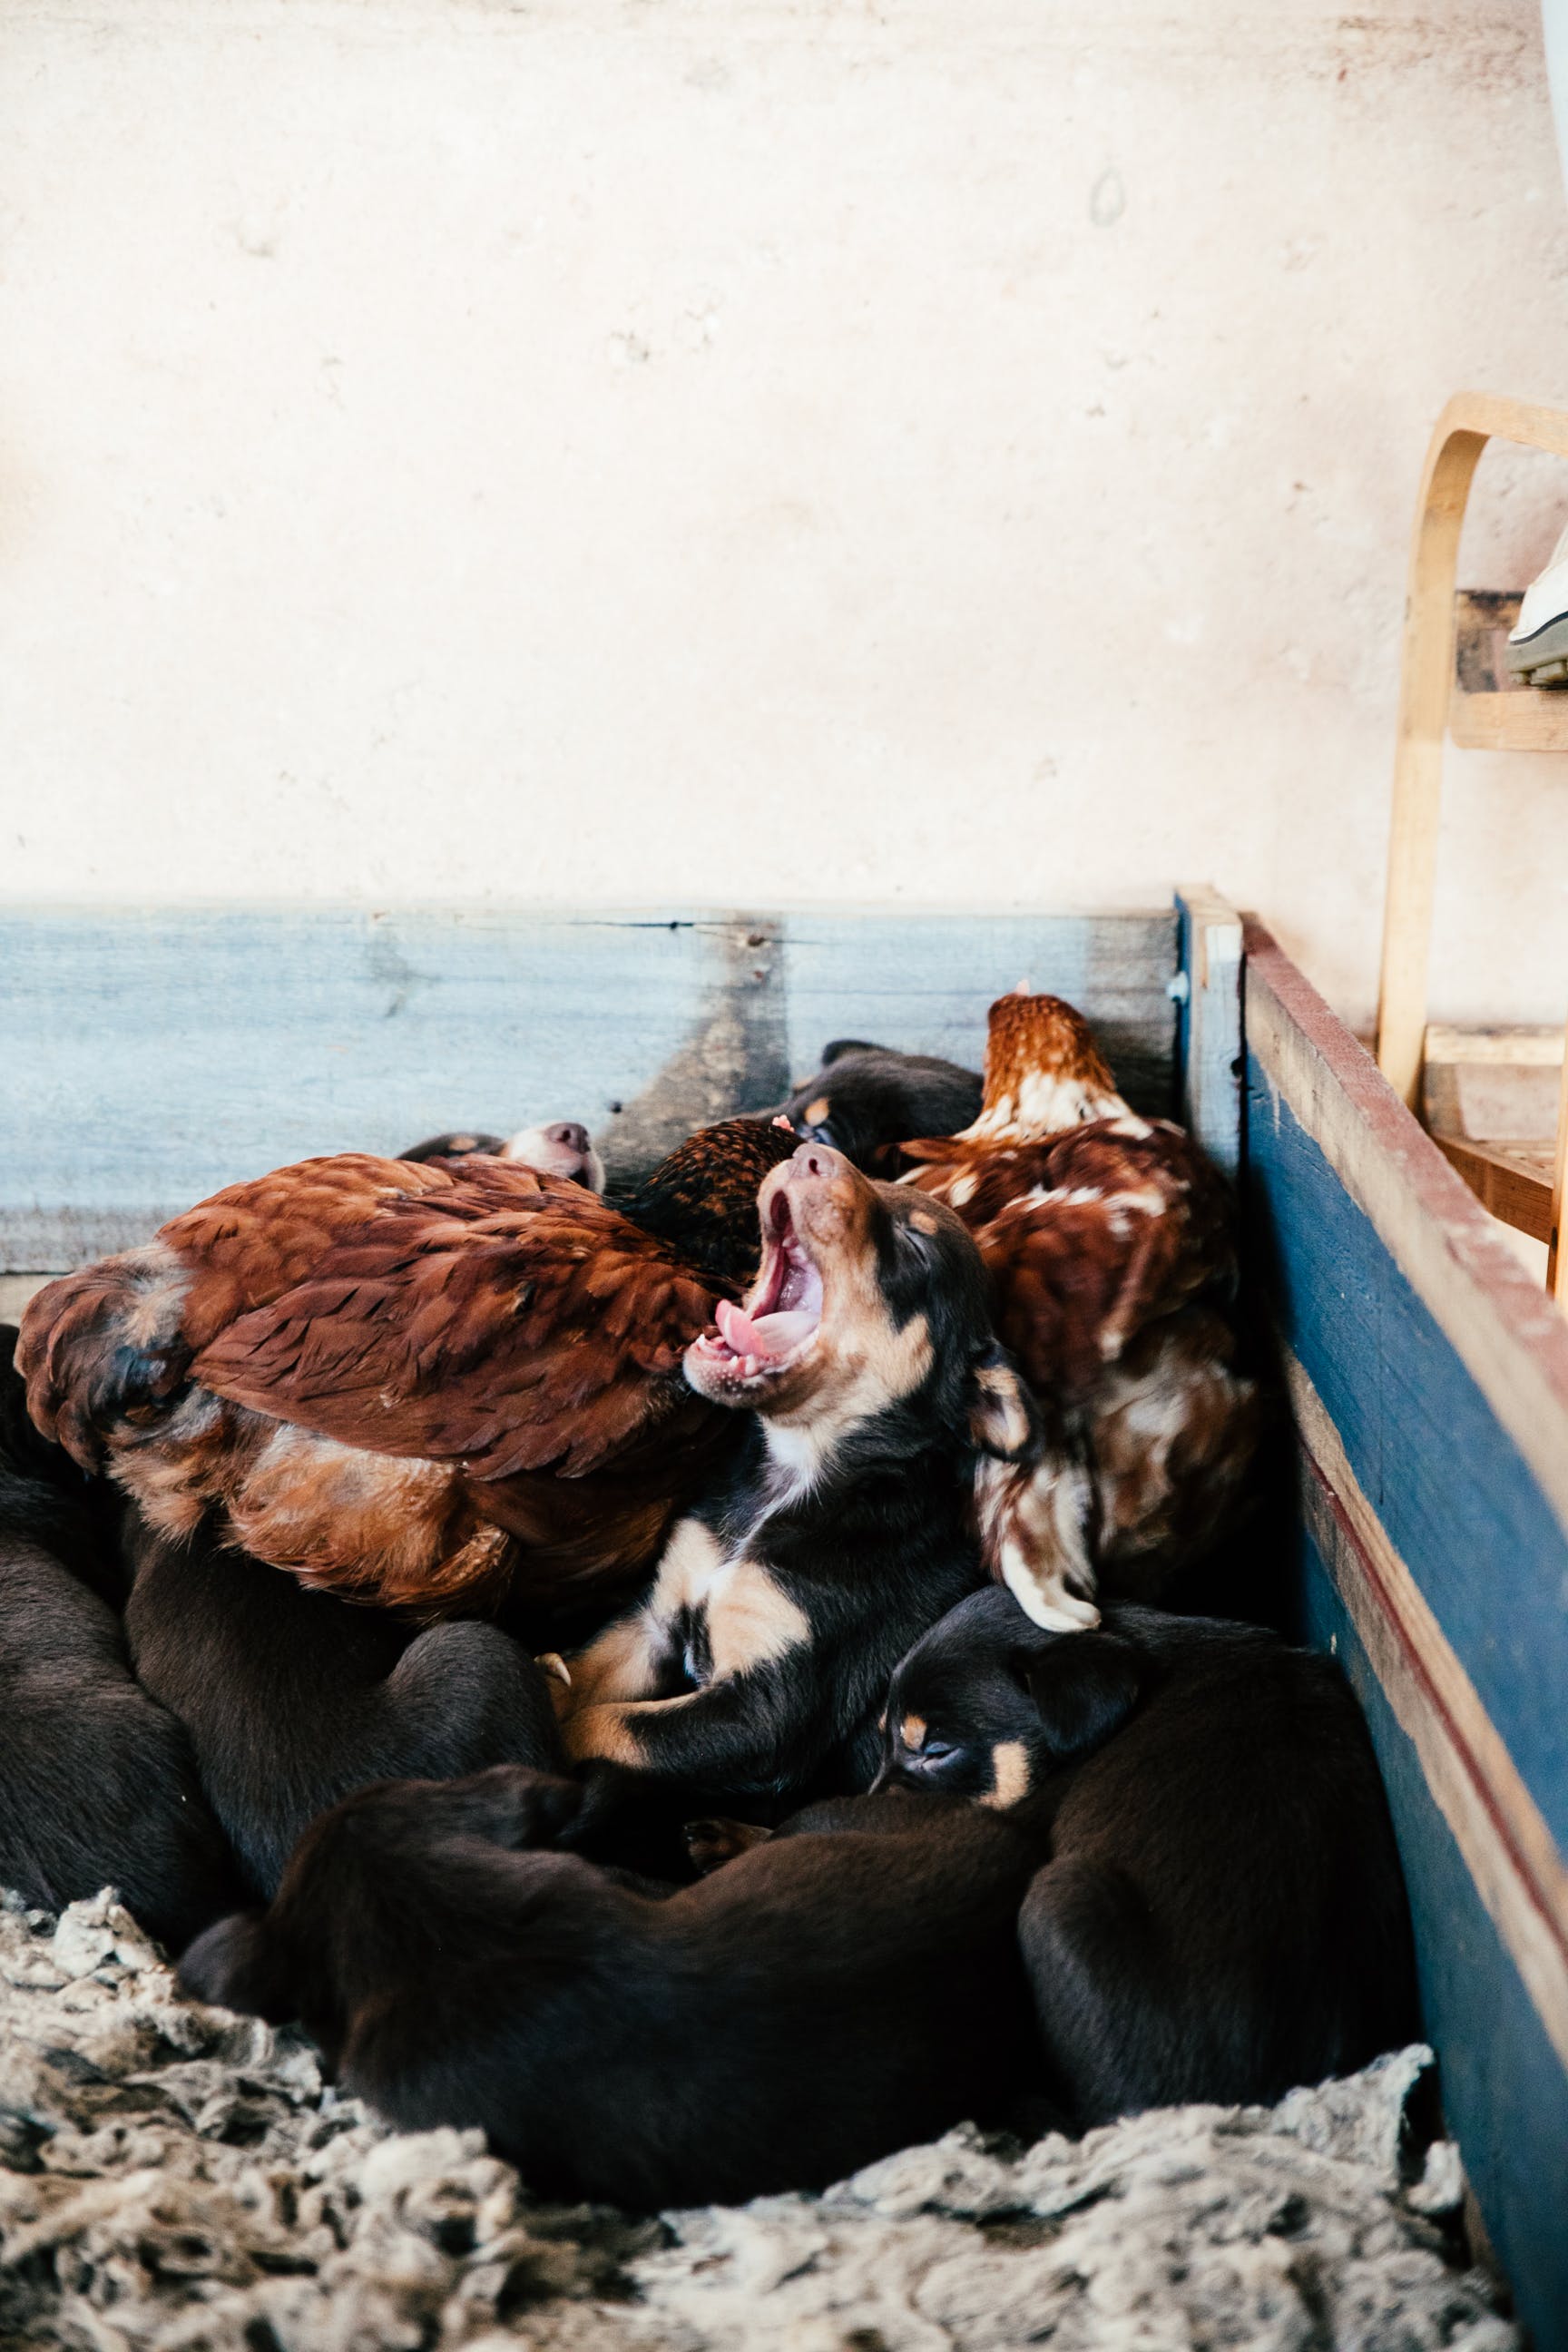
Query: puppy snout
x,y
817,1159
569,1132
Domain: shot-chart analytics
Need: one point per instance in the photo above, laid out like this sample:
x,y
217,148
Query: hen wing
x,y
511,1322
247,1245
109,1348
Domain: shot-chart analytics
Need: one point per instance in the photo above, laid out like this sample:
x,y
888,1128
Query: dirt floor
x,y
175,2177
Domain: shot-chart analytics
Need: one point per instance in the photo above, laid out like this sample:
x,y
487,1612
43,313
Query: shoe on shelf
x,y
1538,643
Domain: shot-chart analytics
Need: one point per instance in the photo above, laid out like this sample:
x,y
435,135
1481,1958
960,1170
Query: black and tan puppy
x,y
850,1987
865,1100
291,1699
1222,1915
864,1355
98,1786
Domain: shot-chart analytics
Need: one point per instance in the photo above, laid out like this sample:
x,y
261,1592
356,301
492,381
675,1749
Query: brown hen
x,y
1110,1242
424,1385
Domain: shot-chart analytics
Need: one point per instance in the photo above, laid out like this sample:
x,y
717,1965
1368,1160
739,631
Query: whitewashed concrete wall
x,y
949,452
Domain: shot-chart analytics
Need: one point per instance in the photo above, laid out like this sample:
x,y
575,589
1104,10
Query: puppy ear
x,y
235,1964
1003,1420
1084,1686
836,1047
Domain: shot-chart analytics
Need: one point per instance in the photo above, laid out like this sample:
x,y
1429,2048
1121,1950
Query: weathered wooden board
x,y
1209,1033
1430,1385
1503,2083
155,1055
1452,1490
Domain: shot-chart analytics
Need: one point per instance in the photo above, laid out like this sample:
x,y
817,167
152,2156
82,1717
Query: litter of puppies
x,y
669,1679
177,2179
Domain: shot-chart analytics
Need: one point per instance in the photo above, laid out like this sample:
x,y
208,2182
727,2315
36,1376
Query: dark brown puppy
x,y
291,1699
848,1988
865,1100
864,1355
1222,1915
98,1786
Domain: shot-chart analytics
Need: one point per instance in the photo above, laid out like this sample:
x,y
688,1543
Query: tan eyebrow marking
x,y
922,1221
815,1112
912,1730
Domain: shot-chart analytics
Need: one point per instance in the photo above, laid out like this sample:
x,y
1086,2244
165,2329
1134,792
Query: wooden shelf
x,y
1530,718
1488,709
1490,1099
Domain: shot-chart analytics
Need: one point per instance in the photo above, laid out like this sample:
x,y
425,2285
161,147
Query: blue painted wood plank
x,y
1457,1499
1504,2092
154,1055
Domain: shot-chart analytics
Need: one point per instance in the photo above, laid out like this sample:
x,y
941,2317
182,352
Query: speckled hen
x,y
1110,1245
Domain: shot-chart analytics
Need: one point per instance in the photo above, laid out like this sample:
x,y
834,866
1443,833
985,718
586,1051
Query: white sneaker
x,y
1538,644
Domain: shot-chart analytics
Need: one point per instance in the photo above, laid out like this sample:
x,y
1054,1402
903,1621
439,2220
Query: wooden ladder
x,y
1519,1177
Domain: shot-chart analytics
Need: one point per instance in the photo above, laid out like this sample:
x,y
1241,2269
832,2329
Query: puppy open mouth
x,y
779,1321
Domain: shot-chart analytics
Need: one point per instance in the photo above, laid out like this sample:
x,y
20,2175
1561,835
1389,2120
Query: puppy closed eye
x,y
924,1745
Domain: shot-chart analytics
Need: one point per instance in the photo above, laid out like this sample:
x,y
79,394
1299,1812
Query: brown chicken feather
x,y
703,1197
420,1384
1088,1236
248,1244
512,1322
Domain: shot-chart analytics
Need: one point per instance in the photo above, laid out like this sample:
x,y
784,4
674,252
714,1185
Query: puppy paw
x,y
712,1844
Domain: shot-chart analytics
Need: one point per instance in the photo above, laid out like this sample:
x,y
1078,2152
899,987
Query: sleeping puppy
x,y
1222,1915
561,1149
864,1355
74,1516
98,1786
291,1699
865,1100
846,1989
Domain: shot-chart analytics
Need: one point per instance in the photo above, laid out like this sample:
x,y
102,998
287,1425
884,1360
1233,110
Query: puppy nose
x,y
569,1131
815,1159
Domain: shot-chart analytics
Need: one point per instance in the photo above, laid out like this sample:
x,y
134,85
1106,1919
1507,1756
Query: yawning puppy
x,y
1221,1916
781,1606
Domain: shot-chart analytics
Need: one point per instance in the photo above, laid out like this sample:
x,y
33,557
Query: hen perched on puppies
x,y
412,1383
1108,1239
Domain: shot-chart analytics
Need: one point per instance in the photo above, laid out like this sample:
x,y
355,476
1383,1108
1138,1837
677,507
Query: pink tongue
x,y
739,1332
768,1335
